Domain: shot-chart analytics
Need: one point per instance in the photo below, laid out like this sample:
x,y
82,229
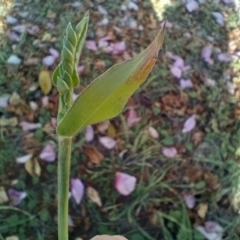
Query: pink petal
x,y
219,18
13,36
179,62
48,154
80,69
48,60
102,10
125,183
45,101
211,226
206,53
209,236
27,126
153,133
102,42
186,68
169,151
20,28
77,189
190,200
189,124
33,30
16,196
132,117
54,52
185,83
192,6
107,142
70,221
225,57
89,135
119,47
54,122
228,1
91,45
176,72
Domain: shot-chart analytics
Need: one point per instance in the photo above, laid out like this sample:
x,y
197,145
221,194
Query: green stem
x,y
64,158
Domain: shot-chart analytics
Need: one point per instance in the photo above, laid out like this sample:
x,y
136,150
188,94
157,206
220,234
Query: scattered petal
x,y
185,83
91,45
176,72
14,59
14,37
211,226
219,18
93,194
107,142
189,124
48,60
132,6
27,126
209,236
11,20
102,42
89,135
23,14
24,158
153,132
108,237
179,62
169,151
125,183
33,30
4,101
132,117
225,57
48,154
54,52
77,189
103,22
16,196
190,200
80,69
192,6
167,24
118,48
70,221
76,4
206,53
32,167
102,10
45,101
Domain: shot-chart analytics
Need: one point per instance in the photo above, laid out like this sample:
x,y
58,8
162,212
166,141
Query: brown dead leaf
x,y
211,181
3,195
197,137
32,167
94,156
107,237
202,210
92,194
45,81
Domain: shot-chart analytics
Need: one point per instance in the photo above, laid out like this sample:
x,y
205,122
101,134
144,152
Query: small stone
x,y
11,20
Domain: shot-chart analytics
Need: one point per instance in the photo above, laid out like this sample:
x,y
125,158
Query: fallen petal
x,y
125,183
54,52
91,45
132,6
209,236
27,126
189,124
14,59
179,62
14,37
107,142
77,189
16,196
169,151
211,227
80,69
102,42
11,20
190,200
102,10
219,18
185,83
132,117
48,60
192,6
153,132
206,53
225,57
48,154
70,221
118,48
176,72
24,158
89,135
4,101
20,28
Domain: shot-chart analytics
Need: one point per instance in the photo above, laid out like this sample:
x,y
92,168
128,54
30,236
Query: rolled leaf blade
x,y
106,96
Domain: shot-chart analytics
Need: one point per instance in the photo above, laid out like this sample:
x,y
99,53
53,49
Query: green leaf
x,y
200,185
56,74
75,78
106,96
